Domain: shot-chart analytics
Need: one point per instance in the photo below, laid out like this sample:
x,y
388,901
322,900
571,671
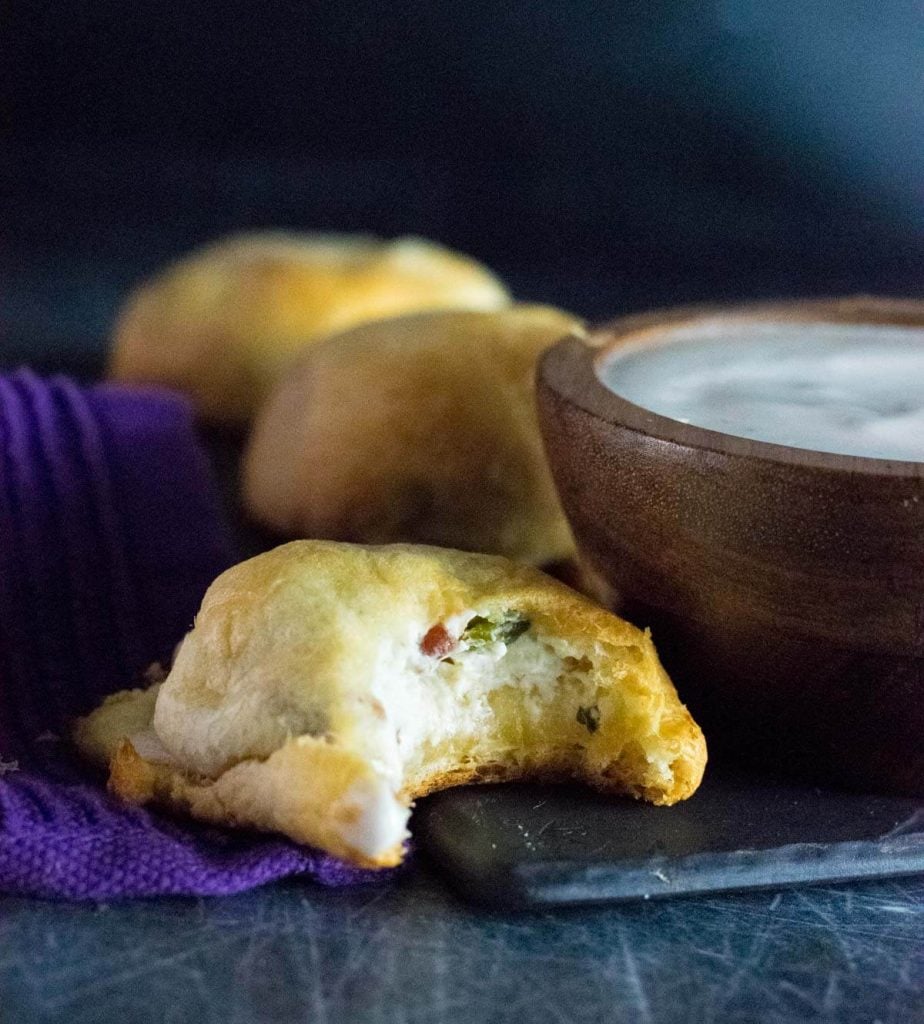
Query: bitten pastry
x,y
421,428
325,686
224,322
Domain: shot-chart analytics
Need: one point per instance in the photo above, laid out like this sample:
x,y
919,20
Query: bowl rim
x,y
570,368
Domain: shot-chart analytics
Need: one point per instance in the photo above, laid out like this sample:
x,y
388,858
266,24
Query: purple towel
x,y
110,532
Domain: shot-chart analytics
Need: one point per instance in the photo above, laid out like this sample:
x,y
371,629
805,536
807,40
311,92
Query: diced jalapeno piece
x,y
482,630
589,717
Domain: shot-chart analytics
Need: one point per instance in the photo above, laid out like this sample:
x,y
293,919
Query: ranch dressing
x,y
851,389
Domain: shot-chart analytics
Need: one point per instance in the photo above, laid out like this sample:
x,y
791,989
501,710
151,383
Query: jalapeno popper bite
x,y
421,429
223,323
325,686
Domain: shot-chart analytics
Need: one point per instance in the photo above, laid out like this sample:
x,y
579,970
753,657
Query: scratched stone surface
x,y
409,953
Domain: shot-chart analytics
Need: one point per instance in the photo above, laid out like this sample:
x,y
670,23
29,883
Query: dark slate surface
x,y
525,845
413,955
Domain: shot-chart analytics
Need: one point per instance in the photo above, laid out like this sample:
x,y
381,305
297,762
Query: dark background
x,y
603,156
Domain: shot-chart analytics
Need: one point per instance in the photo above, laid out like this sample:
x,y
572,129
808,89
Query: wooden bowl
x,y
784,587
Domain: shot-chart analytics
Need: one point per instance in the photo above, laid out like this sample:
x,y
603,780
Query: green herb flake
x,y
482,630
511,628
589,717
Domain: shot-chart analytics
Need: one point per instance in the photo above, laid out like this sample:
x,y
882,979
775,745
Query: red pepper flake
x,y
438,642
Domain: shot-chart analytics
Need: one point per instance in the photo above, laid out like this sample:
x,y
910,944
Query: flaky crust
x,y
223,323
298,790
272,716
420,429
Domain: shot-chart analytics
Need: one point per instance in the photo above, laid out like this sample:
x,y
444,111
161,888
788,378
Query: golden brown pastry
x,y
325,686
422,429
223,323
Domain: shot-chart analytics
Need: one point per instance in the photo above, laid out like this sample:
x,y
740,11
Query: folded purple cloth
x,y
110,532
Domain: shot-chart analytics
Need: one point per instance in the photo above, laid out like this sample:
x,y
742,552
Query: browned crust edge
x,y
141,782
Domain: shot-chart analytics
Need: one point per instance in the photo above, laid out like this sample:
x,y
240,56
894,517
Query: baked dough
x,y
422,429
223,323
325,686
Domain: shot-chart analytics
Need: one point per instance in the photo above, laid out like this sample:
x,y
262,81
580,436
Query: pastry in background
x,y
224,322
326,686
422,428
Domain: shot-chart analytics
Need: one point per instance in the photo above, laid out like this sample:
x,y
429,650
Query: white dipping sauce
x,y
852,389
